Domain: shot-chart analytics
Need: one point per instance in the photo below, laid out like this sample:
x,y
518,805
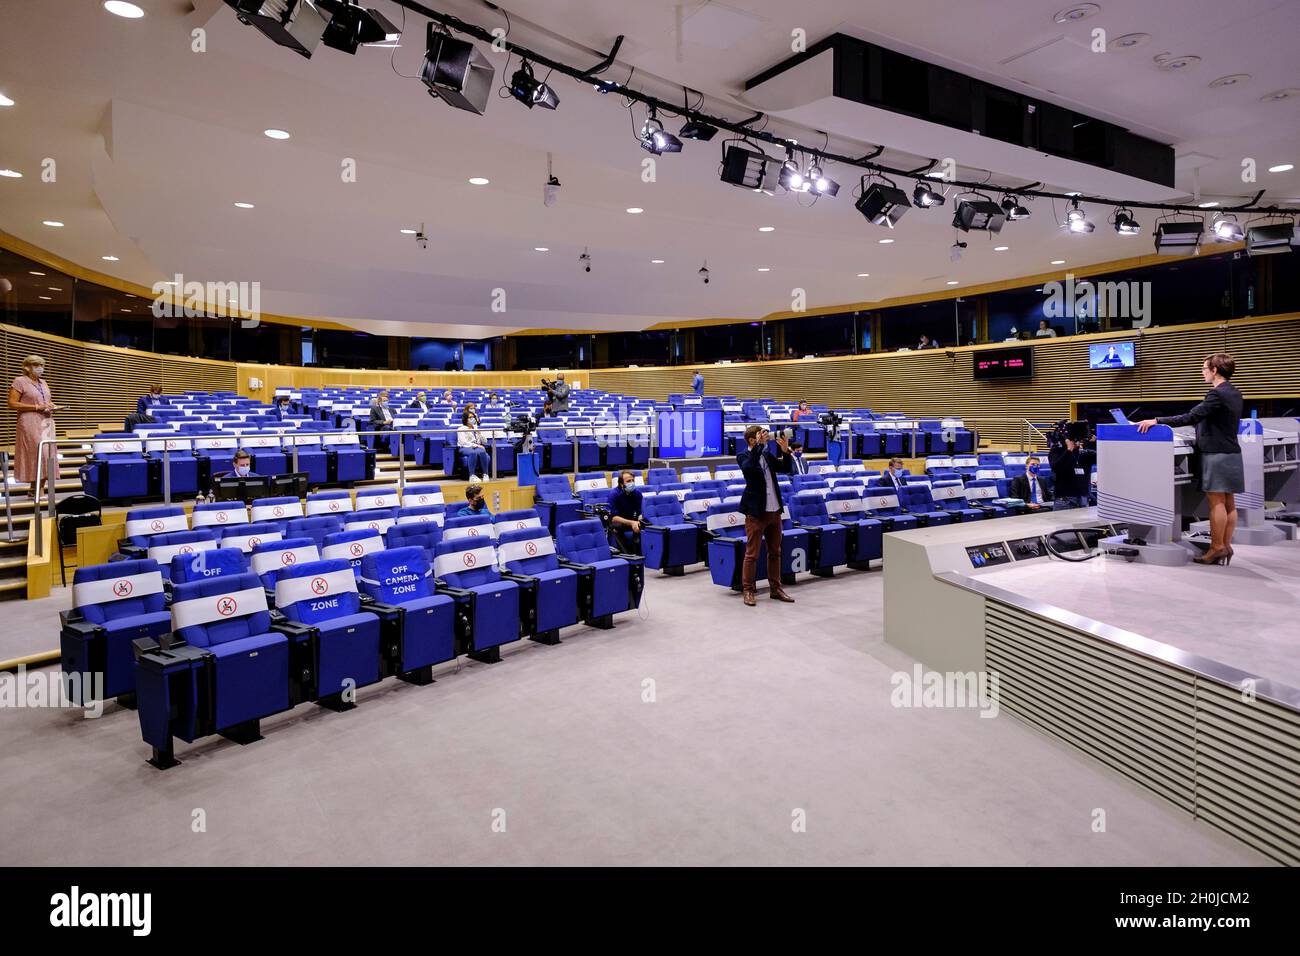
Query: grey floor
x,y
1244,614
759,715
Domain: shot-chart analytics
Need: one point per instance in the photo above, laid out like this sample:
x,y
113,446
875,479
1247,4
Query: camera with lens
x,y
1077,431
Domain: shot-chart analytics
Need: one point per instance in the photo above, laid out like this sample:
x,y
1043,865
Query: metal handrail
x,y
494,433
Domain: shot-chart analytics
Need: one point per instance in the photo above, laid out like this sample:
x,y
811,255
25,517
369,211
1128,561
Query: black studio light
x,y
530,91
1179,237
456,72
352,25
978,214
294,24
883,204
697,129
923,197
744,167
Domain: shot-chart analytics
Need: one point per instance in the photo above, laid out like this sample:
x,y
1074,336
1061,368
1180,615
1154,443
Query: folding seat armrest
x,y
292,629
580,568
277,616
72,620
149,652
132,552
376,606
629,558
523,580
458,593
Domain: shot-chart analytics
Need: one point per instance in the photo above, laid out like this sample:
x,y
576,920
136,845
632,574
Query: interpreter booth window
x,y
108,317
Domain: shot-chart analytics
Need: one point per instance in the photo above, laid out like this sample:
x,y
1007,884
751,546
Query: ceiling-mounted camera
x,y
421,239
585,260
704,273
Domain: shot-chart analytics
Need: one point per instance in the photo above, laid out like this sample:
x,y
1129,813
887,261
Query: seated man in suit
x,y
420,403
241,467
893,475
798,465
281,410
145,403
1030,487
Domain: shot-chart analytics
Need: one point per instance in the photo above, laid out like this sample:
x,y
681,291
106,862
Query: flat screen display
x,y
1112,355
690,434
1015,362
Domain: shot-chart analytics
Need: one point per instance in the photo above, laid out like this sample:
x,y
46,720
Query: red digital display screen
x,y
1003,363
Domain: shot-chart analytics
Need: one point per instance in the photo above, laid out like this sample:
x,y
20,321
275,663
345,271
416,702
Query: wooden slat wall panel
x,y
99,384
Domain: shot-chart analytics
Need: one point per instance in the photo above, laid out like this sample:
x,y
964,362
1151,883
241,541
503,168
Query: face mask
x,y
1033,469
38,370
476,504
242,470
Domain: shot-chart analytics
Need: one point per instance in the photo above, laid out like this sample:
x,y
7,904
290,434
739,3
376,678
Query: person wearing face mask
x,y
281,409
893,475
625,513
419,403
146,403
470,443
475,503
798,465
29,396
242,466
1031,488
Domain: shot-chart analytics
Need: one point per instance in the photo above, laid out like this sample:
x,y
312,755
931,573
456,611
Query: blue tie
x,y
1033,490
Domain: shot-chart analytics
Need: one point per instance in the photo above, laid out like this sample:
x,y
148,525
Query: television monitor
x,y
1112,355
694,433
1014,362
233,488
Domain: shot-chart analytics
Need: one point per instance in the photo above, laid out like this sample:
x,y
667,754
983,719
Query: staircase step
x,y
13,590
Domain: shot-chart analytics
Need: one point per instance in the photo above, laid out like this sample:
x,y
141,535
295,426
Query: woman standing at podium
x,y
1217,419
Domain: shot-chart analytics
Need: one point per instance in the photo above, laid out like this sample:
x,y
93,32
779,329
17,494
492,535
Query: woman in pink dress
x,y
29,396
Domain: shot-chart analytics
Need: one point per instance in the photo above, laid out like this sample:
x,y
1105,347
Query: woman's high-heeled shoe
x,y
1215,556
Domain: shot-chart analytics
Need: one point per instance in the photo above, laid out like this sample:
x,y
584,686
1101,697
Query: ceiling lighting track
x,y
743,129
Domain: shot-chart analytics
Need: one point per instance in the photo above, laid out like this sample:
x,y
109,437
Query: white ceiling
x,y
155,143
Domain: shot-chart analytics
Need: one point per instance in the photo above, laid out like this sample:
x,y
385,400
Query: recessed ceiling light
x,y
244,205
128,310
123,9
130,296
657,262
766,228
952,281
1276,95
1233,79
541,249
276,133
55,288
864,275
36,273
1176,64
479,180
109,258
1076,13
1128,41
53,223
45,297
885,242
1207,205
5,101
1001,248
764,269
635,210
11,174
407,232
1058,262
1282,168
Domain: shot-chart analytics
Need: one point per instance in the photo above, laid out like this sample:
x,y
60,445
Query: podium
x,y
1137,478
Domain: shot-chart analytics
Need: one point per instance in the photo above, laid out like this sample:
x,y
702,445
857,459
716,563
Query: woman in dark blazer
x,y
1217,419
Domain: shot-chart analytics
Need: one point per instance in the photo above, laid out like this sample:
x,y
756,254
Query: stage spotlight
x,y
1124,222
819,184
1227,229
883,204
744,167
1176,238
1271,239
923,197
1077,221
352,25
655,139
530,91
294,24
1013,209
456,72
792,178
978,214
695,129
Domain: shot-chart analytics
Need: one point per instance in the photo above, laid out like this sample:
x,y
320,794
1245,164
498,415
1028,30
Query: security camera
x,y
421,239
585,260
704,274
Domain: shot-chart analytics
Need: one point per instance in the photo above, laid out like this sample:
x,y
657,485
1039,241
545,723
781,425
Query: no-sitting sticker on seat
x,y
227,606
470,560
288,557
320,586
123,588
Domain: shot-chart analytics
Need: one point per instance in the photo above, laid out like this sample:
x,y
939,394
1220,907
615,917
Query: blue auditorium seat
x,y
227,672
215,563
352,545
268,560
112,605
376,519
468,526
555,501
950,496
218,515
516,519
694,473
328,503
312,458
332,637
987,494
607,584
883,502
248,536
829,540
145,524
660,476
176,453
348,460
422,496
164,547
117,468
417,625
267,453
845,505
317,527
556,448
592,489
916,500
369,499
548,593
668,541
488,606
279,511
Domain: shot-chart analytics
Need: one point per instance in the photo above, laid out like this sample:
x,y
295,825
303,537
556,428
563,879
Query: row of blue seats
x,y
223,651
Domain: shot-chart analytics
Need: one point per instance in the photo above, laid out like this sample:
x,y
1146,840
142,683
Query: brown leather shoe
x,y
778,594
750,598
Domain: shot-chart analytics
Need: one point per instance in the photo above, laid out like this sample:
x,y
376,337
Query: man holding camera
x,y
1071,462
761,505
557,394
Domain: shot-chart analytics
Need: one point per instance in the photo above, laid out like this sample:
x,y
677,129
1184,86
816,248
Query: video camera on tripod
x,y
1077,431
